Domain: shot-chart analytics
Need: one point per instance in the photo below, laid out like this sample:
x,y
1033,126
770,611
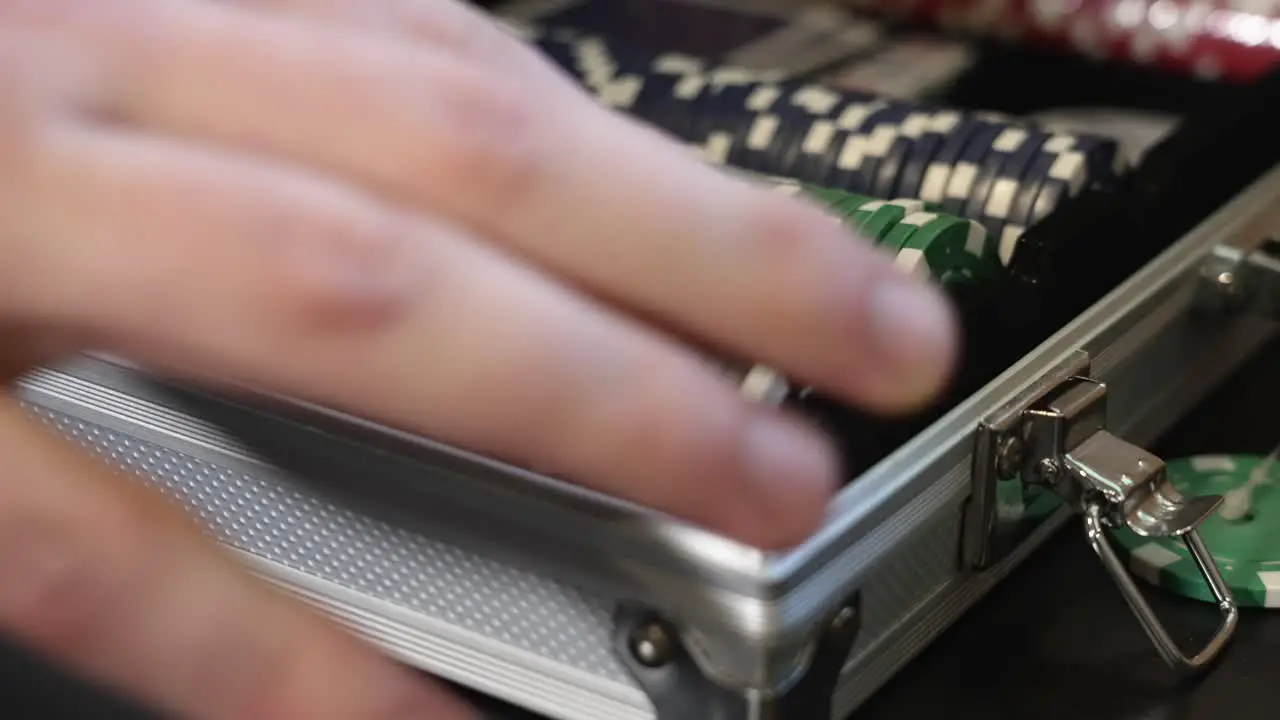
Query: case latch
x,y
1057,440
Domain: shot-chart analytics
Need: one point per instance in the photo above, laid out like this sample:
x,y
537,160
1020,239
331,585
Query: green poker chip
x,y
875,219
850,205
899,235
946,248
1243,535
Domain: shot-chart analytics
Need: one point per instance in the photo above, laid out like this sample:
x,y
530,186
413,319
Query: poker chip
x,y
1002,172
909,132
900,234
948,249
876,219
939,126
933,186
1242,535
1066,173
1000,205
1003,148
965,171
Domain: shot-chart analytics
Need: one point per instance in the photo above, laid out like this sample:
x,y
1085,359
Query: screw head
x,y
843,619
652,645
1049,471
1009,457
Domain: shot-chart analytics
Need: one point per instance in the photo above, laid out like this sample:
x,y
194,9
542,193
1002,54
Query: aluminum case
x,y
507,582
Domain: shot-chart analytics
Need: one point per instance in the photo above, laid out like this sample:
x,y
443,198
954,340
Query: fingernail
x,y
794,471
912,340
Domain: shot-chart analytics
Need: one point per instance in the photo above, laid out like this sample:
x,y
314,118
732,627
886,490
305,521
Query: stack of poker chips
x,y
1006,174
1235,40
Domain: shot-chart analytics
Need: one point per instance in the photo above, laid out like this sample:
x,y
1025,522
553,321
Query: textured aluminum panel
x,y
500,615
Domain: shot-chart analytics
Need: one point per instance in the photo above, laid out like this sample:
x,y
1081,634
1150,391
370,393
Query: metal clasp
x,y
1115,484
1056,438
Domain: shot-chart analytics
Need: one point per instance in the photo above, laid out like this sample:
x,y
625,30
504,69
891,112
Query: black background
x,y
1054,642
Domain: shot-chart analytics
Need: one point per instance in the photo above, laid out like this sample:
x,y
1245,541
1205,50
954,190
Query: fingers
x,y
113,583
457,28
234,269
552,178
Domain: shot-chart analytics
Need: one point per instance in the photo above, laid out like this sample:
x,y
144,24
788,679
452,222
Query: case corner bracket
x,y
653,652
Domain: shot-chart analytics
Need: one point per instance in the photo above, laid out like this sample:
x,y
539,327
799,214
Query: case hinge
x,y
1056,440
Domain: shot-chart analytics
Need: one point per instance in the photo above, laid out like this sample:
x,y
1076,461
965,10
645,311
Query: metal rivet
x,y
652,645
847,615
1049,471
1009,457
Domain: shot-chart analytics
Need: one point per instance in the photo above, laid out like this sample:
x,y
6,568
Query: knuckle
x,y
493,145
346,260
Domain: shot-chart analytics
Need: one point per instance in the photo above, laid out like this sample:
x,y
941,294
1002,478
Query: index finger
x,y
598,199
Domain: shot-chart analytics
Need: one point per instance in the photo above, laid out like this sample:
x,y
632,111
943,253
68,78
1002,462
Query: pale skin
x,y
299,195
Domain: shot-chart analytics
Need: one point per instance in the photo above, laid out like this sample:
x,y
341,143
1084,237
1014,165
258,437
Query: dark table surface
x,y
1054,642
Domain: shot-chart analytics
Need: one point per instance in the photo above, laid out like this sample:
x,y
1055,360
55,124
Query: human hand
x,y
392,208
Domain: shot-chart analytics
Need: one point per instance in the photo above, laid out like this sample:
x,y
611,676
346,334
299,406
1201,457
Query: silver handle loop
x,y
1165,645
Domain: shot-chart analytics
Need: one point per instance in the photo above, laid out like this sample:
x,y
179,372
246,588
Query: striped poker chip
x,y
909,132
933,185
669,88
1001,204
1064,173
1007,147
815,157
867,132
876,219
939,126
902,232
946,248
1243,535
964,175
763,132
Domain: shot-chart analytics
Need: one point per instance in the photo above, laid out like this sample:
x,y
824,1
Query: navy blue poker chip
x,y
824,167
891,167
1034,178
1006,143
1102,155
658,105
755,140
854,118
923,151
880,126
784,155
809,153
1002,197
724,110
933,182
967,167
